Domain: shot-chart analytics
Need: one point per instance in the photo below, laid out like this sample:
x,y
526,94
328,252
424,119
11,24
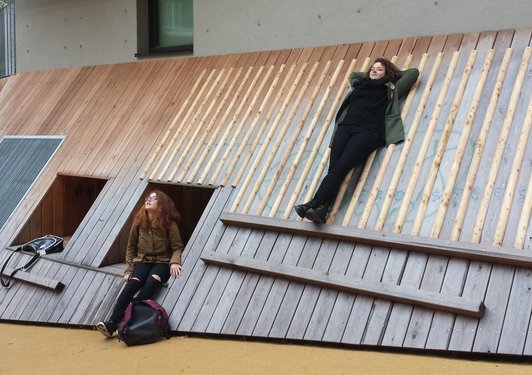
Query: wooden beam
x,y
483,253
431,300
37,280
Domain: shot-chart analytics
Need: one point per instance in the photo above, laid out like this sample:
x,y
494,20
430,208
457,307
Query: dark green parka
x,y
393,123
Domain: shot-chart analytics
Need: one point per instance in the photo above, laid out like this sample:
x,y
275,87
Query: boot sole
x,y
312,216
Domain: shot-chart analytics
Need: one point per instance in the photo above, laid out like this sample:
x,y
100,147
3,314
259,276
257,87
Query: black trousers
x,y
141,281
350,146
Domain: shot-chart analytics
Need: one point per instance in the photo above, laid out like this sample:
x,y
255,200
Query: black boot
x,y
318,214
302,209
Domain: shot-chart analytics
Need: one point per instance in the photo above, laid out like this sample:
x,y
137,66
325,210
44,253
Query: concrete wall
x,y
65,33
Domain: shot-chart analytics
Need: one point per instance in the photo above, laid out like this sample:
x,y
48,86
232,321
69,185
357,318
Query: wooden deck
x,y
427,247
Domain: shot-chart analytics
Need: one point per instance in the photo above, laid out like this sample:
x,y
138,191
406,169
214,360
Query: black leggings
x,y
141,279
350,146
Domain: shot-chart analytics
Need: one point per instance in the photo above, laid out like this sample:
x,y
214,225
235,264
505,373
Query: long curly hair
x,y
166,212
393,73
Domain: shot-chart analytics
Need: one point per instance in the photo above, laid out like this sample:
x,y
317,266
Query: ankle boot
x,y
302,209
318,214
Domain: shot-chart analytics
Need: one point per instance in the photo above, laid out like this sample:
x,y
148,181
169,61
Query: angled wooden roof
x,y
429,242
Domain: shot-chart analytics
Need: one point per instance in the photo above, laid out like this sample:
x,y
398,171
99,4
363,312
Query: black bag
x,y
40,246
144,323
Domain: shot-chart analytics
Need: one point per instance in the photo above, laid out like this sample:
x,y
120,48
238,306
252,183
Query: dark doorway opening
x,y
62,208
190,201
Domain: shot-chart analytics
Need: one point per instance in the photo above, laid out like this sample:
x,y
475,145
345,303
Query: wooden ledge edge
x,y
37,280
428,299
483,253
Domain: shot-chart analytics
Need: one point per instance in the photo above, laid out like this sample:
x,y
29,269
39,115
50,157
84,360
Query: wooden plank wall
x,y
258,124
471,88
462,173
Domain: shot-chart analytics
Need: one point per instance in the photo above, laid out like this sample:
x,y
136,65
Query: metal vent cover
x,y
22,159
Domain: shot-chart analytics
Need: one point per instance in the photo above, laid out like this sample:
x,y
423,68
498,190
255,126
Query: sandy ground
x,y
26,349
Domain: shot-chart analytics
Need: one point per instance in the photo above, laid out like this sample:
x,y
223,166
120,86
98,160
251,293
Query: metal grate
x,y
21,161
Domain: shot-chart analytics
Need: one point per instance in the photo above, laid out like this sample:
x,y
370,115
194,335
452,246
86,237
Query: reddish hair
x,y
166,212
392,71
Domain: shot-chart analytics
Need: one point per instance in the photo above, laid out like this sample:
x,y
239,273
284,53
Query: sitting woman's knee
x,y
156,277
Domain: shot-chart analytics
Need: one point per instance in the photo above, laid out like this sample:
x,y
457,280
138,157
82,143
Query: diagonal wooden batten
x,y
277,144
262,128
214,139
481,142
497,158
442,145
514,176
229,128
243,121
183,129
295,136
308,134
524,218
199,126
368,207
170,130
408,144
261,114
415,174
453,174
269,136
193,159
431,300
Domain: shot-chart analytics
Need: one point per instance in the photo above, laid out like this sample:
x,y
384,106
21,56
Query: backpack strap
x,y
7,282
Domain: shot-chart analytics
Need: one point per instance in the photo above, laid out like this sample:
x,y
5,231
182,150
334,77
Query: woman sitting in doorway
x,y
153,255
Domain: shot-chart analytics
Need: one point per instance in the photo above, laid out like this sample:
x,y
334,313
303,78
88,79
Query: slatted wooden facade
x,y
428,244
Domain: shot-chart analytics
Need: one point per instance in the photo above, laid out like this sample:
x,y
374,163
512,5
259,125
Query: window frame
x,y
148,32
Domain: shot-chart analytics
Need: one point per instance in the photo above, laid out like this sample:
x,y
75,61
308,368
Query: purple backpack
x,y
144,322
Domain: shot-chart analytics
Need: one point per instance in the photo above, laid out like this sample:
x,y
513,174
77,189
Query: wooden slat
x,y
435,169
406,203
277,144
268,138
524,218
407,144
512,181
37,280
402,294
485,253
453,174
481,214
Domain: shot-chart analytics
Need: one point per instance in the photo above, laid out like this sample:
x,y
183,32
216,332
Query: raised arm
x,y
407,80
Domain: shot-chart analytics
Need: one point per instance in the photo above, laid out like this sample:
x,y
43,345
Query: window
x,y
7,38
21,161
165,26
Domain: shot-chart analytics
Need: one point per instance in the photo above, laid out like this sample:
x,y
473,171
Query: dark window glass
x,y
171,25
